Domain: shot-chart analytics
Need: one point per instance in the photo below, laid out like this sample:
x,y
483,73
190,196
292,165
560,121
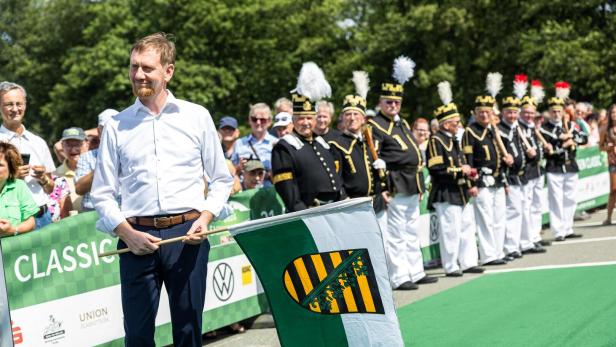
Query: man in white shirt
x,y
38,164
158,154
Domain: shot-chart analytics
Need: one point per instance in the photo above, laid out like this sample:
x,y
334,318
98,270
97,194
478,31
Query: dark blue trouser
x,y
183,269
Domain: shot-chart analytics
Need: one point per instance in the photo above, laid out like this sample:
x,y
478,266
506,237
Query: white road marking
x,y
545,267
595,239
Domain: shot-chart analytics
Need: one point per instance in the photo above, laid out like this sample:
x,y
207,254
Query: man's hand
x,y
565,136
386,197
466,170
531,152
6,228
473,191
199,225
508,159
23,171
568,143
38,171
548,148
138,242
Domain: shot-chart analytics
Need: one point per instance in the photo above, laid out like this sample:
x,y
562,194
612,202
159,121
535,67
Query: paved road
x,y
597,246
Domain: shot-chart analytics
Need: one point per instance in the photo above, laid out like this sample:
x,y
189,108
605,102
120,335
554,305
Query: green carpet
x,y
556,307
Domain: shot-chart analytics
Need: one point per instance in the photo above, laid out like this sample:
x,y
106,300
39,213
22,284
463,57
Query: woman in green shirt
x,y
17,206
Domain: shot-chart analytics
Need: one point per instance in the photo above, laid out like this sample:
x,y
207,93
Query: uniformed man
x,y
304,172
514,144
562,169
450,179
400,151
362,173
530,241
483,154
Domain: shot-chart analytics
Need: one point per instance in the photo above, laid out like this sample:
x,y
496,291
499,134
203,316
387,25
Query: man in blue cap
x,y
229,133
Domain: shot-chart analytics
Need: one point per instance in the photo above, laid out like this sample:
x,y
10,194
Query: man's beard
x,y
143,91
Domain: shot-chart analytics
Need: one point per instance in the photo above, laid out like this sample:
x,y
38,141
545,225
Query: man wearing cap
x,y
362,174
304,172
254,175
38,164
483,154
86,164
562,169
229,133
283,124
513,142
530,240
451,178
158,153
72,141
400,150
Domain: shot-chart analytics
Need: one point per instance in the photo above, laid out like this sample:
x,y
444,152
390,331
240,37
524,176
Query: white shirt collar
x,y
171,100
26,134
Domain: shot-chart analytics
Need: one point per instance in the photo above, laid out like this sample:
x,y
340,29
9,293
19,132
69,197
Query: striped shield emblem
x,y
334,282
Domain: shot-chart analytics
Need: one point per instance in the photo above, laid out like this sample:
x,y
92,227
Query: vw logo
x,y
433,227
223,281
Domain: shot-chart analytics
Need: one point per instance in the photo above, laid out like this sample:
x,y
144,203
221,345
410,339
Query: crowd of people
x,y
485,179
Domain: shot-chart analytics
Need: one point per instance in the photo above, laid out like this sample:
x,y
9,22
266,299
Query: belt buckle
x,y
162,222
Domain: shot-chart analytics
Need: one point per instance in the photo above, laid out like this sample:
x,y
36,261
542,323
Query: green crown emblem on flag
x,y
334,282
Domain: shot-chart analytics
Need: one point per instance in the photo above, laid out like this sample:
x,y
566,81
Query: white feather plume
x,y
444,92
362,83
494,83
537,93
519,89
404,69
311,83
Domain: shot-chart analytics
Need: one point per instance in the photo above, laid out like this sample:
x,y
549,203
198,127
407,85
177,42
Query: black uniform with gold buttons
x,y
561,160
533,167
481,150
399,149
515,147
445,160
304,172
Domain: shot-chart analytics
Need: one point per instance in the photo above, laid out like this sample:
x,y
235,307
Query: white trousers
x,y
515,211
561,196
490,206
401,240
457,236
533,210
381,219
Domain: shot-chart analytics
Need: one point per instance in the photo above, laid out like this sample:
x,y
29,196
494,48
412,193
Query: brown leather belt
x,y
163,222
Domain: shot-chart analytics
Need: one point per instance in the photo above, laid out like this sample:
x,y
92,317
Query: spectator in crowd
x,y
91,142
85,166
283,105
325,112
602,117
283,124
254,175
593,126
608,144
258,144
434,126
17,207
38,166
72,141
421,131
582,111
229,133
340,125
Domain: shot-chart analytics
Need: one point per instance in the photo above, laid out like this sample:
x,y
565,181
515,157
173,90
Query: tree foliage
x,y
72,55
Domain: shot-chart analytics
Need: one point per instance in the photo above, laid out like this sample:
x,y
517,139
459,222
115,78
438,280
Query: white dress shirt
x,y
159,164
28,143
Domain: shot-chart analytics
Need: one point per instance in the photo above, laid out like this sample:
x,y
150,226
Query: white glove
x,y
379,164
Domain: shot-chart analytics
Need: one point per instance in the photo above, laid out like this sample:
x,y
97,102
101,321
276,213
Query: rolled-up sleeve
x,y
215,168
105,185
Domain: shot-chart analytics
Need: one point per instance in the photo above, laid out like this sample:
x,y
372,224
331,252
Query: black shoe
x,y
544,243
474,270
456,273
427,279
496,262
507,259
573,236
559,238
514,255
408,285
536,249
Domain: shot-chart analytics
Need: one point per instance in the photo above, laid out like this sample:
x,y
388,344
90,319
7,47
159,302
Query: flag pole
x,y
167,241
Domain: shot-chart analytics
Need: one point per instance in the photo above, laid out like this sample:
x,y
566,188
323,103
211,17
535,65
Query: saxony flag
x,y
325,276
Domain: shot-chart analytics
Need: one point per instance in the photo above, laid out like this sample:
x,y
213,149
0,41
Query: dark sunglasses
x,y
257,119
392,102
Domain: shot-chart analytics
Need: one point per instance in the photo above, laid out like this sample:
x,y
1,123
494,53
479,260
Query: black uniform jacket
x,y
513,143
399,149
330,135
533,167
562,160
482,153
304,172
445,160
